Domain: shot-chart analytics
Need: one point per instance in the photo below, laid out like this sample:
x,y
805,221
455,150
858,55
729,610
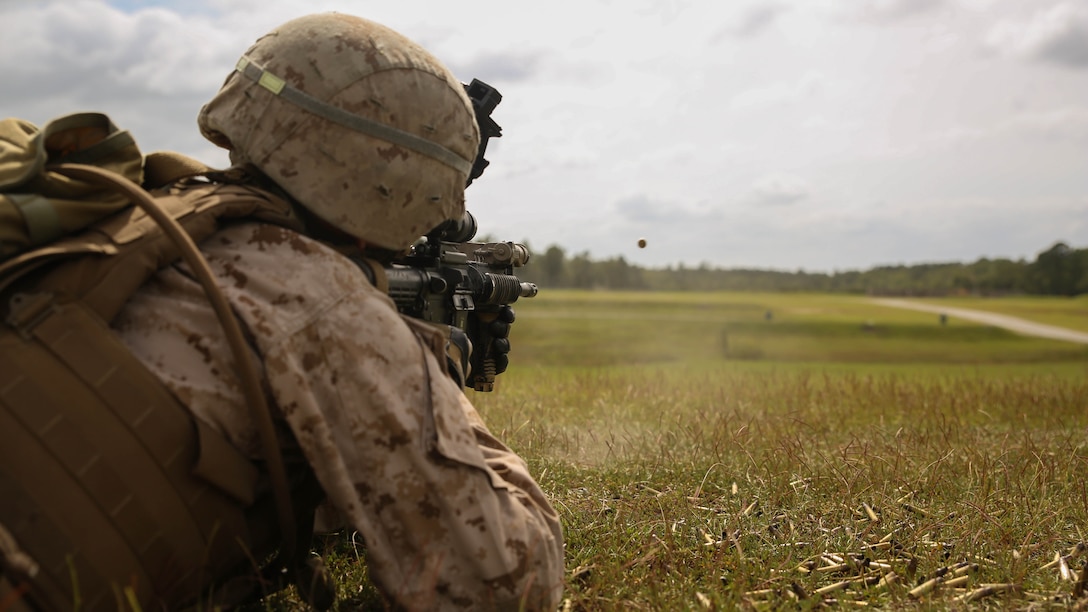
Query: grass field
x,y
616,328
768,451
1051,310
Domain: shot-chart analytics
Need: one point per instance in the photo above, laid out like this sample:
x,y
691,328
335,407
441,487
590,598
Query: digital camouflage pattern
x,y
450,516
369,187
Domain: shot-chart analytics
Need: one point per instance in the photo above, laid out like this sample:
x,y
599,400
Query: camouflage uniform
x,y
450,516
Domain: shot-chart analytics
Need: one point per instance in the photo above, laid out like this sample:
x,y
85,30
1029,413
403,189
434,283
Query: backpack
x,y
112,495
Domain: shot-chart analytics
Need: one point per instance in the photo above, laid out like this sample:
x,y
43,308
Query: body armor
x,y
111,493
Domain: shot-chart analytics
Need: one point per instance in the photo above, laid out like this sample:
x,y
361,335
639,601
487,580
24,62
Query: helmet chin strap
x,y
279,87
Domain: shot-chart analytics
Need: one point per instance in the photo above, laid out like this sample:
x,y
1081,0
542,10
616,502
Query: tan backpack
x,y
112,496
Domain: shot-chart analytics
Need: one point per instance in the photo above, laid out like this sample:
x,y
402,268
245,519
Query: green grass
x,y
832,445
615,328
1051,310
678,483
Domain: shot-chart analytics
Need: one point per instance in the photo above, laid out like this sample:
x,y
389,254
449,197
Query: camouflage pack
x,y
111,494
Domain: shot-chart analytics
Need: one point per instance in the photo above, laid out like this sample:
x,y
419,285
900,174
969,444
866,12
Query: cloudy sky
x,y
817,134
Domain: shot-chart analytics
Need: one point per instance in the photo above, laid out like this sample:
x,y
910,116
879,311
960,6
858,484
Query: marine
x,y
369,140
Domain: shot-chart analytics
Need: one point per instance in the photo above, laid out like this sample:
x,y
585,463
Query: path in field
x,y
1016,324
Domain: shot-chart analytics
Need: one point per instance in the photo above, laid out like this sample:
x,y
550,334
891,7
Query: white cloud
x,y
820,122
881,11
643,98
779,189
155,50
1068,124
894,9
753,20
644,210
1058,35
498,66
808,86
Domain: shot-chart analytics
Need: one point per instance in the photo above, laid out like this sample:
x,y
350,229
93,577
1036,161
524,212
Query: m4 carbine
x,y
445,278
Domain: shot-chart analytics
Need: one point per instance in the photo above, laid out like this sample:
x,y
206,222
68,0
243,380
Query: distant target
x,y
642,243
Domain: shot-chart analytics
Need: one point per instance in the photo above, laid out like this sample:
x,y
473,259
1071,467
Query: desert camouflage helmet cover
x,y
361,125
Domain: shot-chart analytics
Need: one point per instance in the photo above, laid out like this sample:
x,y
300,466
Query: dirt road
x,y
1015,324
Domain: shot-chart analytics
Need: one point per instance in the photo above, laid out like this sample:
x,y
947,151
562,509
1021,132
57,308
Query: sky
x,y
823,135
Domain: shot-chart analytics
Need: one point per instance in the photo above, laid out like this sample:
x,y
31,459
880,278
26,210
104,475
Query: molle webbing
x,y
135,247
96,463
106,481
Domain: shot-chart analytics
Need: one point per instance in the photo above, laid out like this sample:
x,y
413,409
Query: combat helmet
x,y
362,126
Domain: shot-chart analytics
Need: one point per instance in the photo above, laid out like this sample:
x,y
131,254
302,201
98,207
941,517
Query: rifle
x,y
448,279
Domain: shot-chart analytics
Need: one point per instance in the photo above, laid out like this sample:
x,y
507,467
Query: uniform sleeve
x,y
451,517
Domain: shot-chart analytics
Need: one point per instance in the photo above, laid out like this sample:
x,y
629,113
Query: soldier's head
x,y
366,129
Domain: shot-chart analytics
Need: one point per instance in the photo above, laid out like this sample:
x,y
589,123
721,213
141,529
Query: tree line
x,y
1059,270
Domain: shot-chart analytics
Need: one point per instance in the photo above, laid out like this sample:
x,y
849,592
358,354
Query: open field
x,y
680,486
1024,327
614,328
1051,310
837,453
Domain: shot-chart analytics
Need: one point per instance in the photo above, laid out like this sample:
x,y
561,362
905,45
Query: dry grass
x,y
691,490
923,467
